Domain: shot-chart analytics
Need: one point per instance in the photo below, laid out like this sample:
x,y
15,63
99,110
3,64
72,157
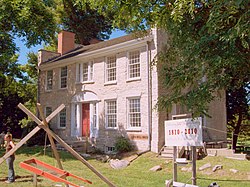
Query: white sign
x,y
183,132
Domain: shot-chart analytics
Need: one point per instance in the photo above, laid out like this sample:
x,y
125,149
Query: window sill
x,y
61,128
111,128
133,79
62,88
88,82
134,130
110,83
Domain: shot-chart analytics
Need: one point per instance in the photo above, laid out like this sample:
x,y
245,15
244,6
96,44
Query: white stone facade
x,y
96,92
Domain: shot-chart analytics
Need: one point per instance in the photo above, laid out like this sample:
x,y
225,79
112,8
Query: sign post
x,y
184,132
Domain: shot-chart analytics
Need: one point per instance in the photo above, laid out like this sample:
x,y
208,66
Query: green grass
x,y
137,174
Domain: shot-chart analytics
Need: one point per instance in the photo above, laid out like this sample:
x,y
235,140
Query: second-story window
x,y
84,72
111,68
134,64
49,80
64,74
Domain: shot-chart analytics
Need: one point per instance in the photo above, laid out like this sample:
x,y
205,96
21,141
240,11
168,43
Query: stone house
x,y
110,89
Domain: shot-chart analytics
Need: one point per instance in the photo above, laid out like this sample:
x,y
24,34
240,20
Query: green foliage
x,y
86,23
123,145
136,174
34,22
208,45
38,138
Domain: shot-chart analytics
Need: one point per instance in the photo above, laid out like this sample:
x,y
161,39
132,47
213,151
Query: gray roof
x,y
88,48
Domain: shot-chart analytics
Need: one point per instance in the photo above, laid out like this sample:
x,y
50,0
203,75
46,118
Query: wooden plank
x,y
194,158
77,156
66,146
19,144
174,164
34,131
52,143
55,112
179,184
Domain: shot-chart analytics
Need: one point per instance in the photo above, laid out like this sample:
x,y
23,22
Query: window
x,y
84,72
48,111
134,64
62,119
134,113
110,149
49,80
111,114
94,116
64,72
111,68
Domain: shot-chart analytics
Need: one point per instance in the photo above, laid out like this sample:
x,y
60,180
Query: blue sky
x,y
23,50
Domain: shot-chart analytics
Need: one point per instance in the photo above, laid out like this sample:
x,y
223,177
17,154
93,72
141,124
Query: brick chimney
x,y
66,42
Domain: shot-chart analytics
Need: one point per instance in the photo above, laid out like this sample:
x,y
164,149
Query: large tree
x,y
34,22
238,113
208,49
85,22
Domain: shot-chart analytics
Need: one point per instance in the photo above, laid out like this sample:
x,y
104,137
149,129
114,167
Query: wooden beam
x,y
34,131
174,164
194,158
52,143
17,146
77,156
65,145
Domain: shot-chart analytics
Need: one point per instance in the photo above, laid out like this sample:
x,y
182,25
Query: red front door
x,y
85,120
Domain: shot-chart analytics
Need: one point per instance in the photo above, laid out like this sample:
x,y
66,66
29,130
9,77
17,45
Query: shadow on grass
x,y
223,179
39,151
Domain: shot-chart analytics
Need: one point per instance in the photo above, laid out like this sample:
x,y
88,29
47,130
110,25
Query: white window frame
x,y
59,118
108,69
49,81
90,72
109,149
107,115
129,113
94,116
129,65
63,77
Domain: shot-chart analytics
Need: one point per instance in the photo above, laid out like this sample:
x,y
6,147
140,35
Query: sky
x,y
23,50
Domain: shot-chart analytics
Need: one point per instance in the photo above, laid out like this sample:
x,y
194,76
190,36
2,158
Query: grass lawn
x,y
137,174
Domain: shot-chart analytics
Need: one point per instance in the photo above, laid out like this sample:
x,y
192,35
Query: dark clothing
x,y
10,164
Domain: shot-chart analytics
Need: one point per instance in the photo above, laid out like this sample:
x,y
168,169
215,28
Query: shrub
x,y
36,139
123,145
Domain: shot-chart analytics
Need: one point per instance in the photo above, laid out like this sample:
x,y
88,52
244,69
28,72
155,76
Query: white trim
x,y
46,81
60,79
58,125
105,113
106,82
127,60
136,43
128,127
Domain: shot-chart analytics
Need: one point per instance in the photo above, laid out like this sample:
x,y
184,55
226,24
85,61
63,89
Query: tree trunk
x,y
236,132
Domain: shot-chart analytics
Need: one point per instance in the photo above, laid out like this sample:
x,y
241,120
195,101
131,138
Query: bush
x,y
123,145
36,139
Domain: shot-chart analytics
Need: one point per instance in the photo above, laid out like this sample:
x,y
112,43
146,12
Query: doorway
x,y
85,120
